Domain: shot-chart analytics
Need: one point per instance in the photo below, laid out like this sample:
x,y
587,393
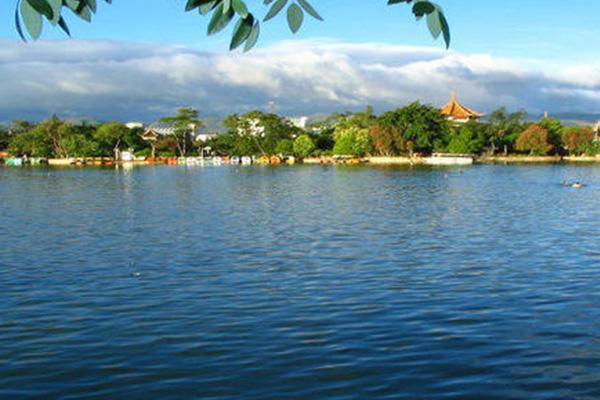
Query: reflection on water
x,y
303,282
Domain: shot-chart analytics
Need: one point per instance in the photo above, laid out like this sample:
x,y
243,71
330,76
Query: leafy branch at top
x,y
30,15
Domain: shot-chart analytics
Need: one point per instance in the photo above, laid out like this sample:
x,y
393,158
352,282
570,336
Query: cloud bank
x,y
142,81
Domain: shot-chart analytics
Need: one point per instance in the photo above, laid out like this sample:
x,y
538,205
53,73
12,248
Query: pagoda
x,y
456,112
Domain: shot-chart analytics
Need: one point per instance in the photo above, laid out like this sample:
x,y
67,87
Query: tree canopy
x,y
30,16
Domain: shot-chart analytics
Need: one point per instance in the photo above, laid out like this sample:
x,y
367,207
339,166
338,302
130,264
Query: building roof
x,y
455,110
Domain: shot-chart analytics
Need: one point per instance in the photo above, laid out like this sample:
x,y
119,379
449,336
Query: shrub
x,y
303,146
285,147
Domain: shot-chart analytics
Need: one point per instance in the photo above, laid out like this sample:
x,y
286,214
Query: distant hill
x,y
572,119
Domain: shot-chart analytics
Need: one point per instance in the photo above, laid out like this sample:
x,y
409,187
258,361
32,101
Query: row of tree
x,y
415,128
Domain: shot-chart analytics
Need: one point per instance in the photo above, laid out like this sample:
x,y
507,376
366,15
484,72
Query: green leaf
x,y
253,37
63,26
191,4
219,20
18,24
240,8
310,10
295,16
445,30
31,19
422,8
275,9
56,10
207,7
434,24
242,30
42,7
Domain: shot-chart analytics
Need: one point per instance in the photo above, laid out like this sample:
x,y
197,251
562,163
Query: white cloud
x,y
127,81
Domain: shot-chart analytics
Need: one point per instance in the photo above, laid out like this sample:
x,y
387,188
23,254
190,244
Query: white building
x,y
133,125
299,122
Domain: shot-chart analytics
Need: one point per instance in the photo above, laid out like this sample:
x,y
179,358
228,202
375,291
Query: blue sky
x,y
539,29
533,54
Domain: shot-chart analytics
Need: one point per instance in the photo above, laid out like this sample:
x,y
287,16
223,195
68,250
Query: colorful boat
x,y
263,160
14,161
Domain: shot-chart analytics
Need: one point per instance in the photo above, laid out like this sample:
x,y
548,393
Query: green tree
x,y
284,147
351,141
467,139
555,129
111,138
35,143
184,123
504,129
417,127
303,146
30,16
259,132
4,138
76,143
20,126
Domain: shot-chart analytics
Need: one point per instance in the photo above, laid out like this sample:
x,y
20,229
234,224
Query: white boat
x,y
449,159
235,160
193,161
246,160
217,160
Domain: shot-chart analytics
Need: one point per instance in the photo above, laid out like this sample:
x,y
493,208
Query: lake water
x,y
300,283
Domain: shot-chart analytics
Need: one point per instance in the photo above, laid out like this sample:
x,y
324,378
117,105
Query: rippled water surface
x,y
297,283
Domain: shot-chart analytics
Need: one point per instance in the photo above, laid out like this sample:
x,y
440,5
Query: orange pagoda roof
x,y
457,111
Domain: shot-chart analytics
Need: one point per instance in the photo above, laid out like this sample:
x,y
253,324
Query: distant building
x,y
299,122
159,130
133,125
204,137
456,112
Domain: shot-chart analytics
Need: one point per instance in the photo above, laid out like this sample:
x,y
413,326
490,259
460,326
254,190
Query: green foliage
x,y
30,16
285,147
4,138
303,146
323,139
468,139
184,123
555,129
110,138
258,133
505,128
417,127
35,143
351,141
591,149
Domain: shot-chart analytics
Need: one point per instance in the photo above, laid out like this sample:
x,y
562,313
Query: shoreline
x,y
445,160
